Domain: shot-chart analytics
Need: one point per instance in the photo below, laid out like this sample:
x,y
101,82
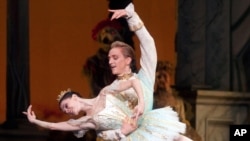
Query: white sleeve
x,y
148,58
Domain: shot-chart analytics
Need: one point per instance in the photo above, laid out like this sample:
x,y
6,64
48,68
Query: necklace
x,y
125,76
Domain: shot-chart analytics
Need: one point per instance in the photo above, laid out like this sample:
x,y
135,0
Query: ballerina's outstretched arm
x,y
62,126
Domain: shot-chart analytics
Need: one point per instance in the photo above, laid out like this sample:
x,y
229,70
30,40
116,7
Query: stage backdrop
x,y
60,42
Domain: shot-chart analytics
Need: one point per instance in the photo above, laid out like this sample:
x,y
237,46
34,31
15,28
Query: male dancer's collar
x,y
125,76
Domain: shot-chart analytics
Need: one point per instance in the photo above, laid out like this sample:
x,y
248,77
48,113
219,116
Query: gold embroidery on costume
x,y
125,76
131,101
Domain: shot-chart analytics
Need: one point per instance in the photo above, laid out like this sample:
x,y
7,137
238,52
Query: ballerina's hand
x,y
138,111
128,125
30,114
118,13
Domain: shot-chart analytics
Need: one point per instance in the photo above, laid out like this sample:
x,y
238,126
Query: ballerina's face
x,y
70,106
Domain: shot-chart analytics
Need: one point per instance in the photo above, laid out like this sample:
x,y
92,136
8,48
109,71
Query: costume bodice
x,y
112,115
128,96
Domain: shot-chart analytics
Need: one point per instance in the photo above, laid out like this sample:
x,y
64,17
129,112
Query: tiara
x,y
59,97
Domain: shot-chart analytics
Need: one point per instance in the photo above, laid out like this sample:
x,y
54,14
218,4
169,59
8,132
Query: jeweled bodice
x,y
112,115
129,96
